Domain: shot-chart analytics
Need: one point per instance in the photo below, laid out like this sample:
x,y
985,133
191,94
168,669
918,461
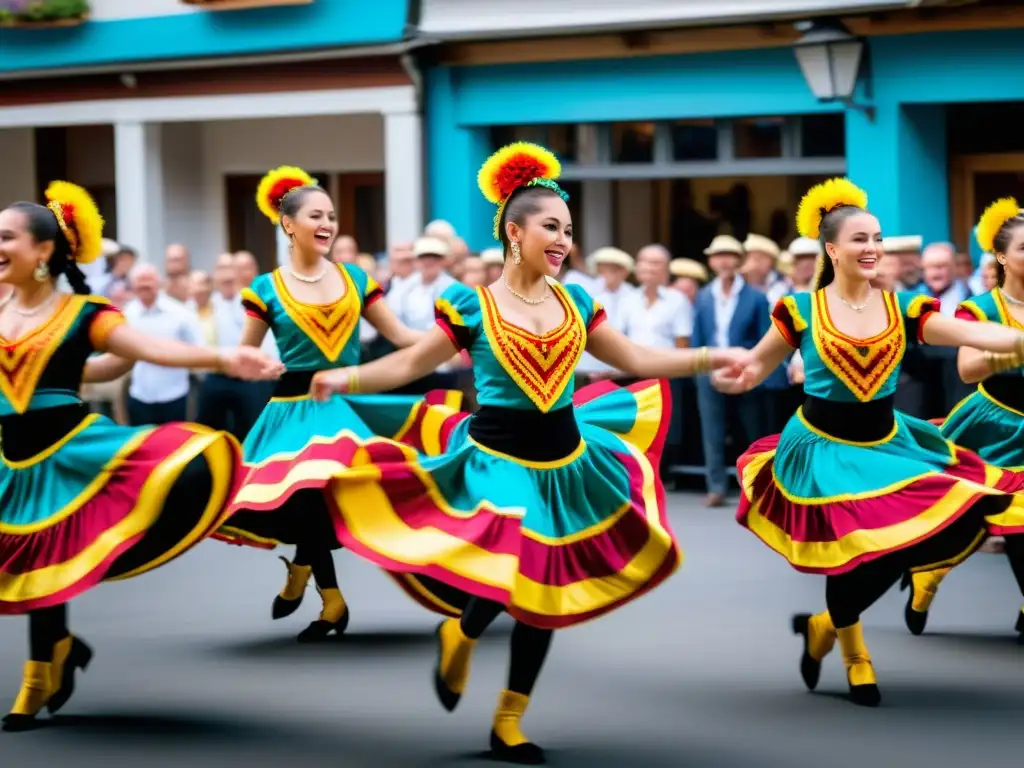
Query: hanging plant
x,y
238,5
43,13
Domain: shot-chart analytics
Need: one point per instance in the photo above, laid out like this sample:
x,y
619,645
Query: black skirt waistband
x,y
856,422
293,384
528,435
25,435
1006,390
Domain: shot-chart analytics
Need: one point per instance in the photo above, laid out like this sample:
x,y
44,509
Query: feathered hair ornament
x,y
824,198
518,165
79,219
993,220
275,187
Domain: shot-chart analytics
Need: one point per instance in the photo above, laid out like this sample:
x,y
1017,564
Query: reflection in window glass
x,y
758,137
694,140
632,142
823,135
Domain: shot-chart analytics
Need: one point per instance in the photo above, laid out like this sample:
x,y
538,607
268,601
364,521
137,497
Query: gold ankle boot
x,y
923,587
333,617
819,635
69,655
35,690
507,739
860,672
290,598
454,653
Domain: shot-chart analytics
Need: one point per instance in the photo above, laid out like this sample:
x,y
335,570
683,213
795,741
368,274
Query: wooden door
x,y
975,181
360,204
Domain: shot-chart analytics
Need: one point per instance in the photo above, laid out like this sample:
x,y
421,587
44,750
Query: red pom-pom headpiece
x,y
518,165
276,186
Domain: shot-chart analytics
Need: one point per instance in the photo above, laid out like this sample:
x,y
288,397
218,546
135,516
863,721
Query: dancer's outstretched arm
x,y
985,348
613,348
242,363
381,317
771,352
389,372
104,368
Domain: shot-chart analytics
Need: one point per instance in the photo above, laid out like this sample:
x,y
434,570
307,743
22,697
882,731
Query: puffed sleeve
x,y
457,313
369,289
917,309
254,301
590,309
786,317
968,310
104,318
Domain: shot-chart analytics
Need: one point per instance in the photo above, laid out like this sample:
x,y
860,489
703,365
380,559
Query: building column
x,y
598,214
455,153
403,177
899,158
139,188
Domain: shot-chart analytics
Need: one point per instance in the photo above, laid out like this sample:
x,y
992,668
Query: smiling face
x,y
545,235
313,225
20,252
856,246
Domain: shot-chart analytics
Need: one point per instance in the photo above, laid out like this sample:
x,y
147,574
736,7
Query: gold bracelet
x,y
999,363
1018,347
353,380
703,364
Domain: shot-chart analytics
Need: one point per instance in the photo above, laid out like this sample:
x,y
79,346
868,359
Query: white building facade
x,y
170,113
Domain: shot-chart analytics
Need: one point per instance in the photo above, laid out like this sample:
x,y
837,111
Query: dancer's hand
x,y
335,381
796,372
251,364
733,381
731,361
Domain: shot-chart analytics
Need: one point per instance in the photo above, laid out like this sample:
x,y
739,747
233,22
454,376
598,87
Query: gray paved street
x,y
191,671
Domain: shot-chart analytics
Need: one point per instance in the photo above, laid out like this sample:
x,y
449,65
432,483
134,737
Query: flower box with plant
x,y
43,13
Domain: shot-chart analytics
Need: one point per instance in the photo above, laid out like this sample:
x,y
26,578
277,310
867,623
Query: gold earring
x,y
517,257
42,272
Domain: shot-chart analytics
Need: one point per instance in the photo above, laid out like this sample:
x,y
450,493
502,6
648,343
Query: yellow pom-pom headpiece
x,y
277,185
518,165
993,220
824,198
79,220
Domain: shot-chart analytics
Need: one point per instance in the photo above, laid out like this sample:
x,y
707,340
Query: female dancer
x,y
313,308
851,488
82,500
545,505
990,421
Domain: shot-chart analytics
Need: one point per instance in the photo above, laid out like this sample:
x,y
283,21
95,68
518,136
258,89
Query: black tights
x,y
46,628
848,595
322,562
1015,554
528,647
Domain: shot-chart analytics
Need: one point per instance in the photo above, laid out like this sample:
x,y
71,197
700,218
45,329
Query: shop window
x,y
632,142
560,139
758,137
694,140
823,135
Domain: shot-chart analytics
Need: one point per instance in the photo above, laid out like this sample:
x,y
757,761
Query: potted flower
x,y
237,5
43,13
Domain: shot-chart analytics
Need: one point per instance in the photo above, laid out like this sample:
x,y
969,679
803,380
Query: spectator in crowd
x,y
494,262
688,277
988,276
200,302
158,395
246,269
908,249
805,253
574,270
727,313
177,271
344,250
760,267
121,263
938,265
474,273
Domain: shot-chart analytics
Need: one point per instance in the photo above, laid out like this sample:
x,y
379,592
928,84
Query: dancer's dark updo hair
x,y
42,224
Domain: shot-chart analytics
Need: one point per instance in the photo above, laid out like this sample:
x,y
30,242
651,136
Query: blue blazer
x,y
749,323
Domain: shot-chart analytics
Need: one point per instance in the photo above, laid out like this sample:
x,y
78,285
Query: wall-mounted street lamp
x,y
831,59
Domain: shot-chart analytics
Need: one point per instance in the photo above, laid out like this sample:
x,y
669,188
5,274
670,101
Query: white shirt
x,y
659,325
950,299
589,283
612,301
166,319
414,304
725,308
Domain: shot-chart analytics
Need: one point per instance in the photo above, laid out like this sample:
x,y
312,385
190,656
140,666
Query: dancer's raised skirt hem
x,y
556,541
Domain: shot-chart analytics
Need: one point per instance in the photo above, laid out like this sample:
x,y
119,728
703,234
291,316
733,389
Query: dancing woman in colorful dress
x,y
313,307
545,503
851,488
990,421
83,500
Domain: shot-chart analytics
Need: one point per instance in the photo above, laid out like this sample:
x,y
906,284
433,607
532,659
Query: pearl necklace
x,y
307,279
525,299
29,312
1011,300
857,307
